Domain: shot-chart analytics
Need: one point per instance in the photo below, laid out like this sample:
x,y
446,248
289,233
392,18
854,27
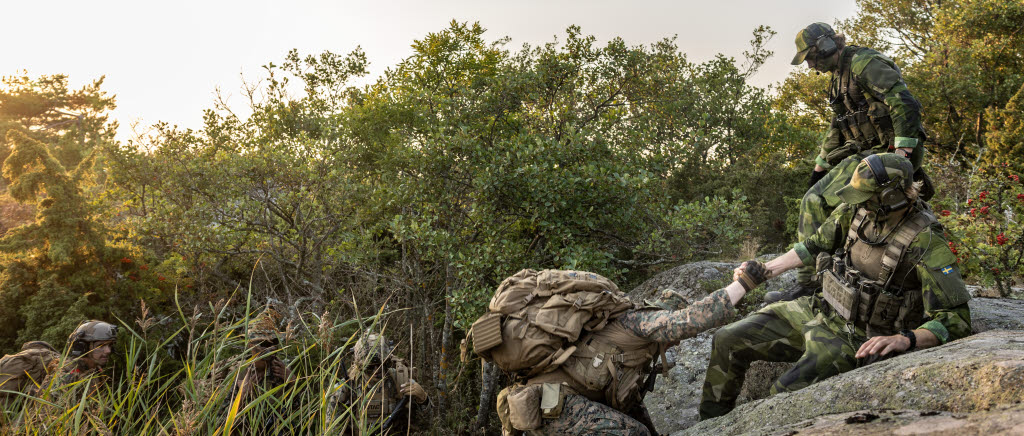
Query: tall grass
x,y
175,377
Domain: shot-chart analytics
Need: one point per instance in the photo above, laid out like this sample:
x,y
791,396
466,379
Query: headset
x,y
80,344
892,197
826,46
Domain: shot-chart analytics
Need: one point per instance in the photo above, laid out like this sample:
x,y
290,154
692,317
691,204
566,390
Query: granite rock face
x,y
971,378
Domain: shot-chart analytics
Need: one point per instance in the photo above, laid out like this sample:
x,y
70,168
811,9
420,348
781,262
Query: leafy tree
x,y
58,270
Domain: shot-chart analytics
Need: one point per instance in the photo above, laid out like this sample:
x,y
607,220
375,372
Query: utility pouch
x,y
842,298
486,332
625,391
552,400
524,403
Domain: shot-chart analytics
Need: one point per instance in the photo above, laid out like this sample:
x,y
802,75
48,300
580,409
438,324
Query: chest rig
x,y
874,286
382,393
859,115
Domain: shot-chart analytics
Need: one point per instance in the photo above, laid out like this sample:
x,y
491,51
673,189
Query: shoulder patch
x,y
936,254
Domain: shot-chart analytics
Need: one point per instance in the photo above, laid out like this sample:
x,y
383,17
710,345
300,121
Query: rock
x,y
996,313
967,376
695,280
1000,420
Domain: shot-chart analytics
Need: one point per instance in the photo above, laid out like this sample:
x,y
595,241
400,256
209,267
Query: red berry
x,y
1001,239
945,213
1014,177
984,210
983,194
973,210
969,201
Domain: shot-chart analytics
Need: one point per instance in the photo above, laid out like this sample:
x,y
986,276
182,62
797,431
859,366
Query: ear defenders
x,y
892,196
826,46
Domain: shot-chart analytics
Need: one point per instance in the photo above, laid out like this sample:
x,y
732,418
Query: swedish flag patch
x,y
947,269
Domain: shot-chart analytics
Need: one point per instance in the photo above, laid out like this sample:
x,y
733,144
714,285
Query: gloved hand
x,y
815,176
415,390
751,274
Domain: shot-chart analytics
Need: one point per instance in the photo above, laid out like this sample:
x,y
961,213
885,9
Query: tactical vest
x,y
876,287
859,115
384,395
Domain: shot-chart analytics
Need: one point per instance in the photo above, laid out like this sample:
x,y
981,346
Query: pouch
x,y
486,332
524,407
552,400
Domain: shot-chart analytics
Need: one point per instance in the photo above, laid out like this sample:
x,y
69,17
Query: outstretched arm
x,y
673,326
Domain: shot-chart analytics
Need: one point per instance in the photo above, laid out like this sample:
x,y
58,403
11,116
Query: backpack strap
x,y
858,220
897,248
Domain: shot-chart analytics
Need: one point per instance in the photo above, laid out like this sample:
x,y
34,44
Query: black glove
x,y
754,273
815,176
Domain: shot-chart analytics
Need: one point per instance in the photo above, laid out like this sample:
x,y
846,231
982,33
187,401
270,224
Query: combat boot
x,y
797,291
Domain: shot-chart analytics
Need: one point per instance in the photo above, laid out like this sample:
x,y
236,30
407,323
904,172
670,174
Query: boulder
x,y
968,377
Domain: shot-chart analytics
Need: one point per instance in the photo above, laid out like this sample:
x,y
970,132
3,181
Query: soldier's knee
x,y
728,337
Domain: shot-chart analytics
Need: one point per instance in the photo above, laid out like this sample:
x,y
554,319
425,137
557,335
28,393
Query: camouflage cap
x,y
807,37
865,183
264,326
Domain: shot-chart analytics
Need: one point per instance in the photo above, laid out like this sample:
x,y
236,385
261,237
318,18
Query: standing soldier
x,y
262,371
380,387
874,112
892,286
599,388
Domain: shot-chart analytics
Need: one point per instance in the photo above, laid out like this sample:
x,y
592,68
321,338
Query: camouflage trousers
x,y
581,416
819,202
790,331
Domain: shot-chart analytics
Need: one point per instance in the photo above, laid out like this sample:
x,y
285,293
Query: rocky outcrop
x,y
974,374
673,403
999,420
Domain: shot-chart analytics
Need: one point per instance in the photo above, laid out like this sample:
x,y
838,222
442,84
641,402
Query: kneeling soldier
x,y
891,285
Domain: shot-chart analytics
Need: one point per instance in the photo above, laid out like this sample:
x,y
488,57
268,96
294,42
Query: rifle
x,y
394,413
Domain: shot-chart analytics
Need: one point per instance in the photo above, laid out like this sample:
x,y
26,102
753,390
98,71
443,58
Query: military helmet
x,y
878,174
371,347
89,332
816,35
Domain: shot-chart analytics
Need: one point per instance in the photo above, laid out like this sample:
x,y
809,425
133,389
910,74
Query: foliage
x,y
146,393
987,229
58,270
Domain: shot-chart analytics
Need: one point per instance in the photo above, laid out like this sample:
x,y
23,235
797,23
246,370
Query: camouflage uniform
x,y
252,380
821,342
584,413
374,386
874,113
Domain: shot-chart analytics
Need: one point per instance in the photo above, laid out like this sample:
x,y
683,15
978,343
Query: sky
x,y
164,60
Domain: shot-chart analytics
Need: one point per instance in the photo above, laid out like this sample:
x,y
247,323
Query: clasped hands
x,y
751,274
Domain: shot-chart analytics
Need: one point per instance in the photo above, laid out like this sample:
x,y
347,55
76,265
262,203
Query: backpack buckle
x,y
598,360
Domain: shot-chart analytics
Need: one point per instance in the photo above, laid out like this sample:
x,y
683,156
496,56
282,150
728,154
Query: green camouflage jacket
x,y
880,81
943,292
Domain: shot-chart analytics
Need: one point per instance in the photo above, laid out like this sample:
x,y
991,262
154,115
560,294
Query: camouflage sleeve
x,y
672,326
943,292
879,75
833,140
829,236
